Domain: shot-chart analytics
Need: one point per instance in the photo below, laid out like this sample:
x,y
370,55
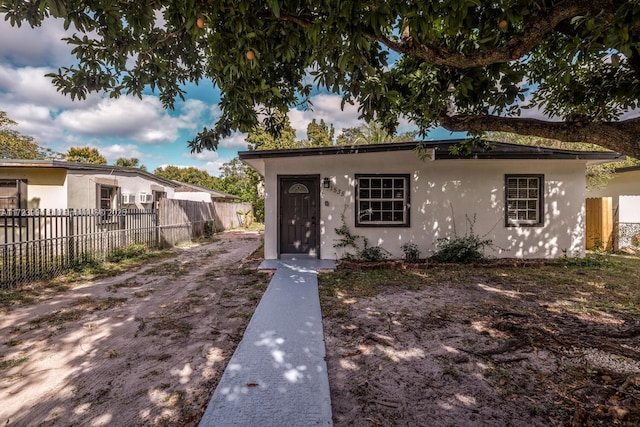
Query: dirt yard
x,y
144,348
461,346
445,346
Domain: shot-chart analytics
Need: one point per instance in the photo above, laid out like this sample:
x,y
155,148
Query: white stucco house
x,y
54,184
529,201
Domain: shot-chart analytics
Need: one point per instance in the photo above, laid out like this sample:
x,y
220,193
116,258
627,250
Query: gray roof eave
x,y
442,152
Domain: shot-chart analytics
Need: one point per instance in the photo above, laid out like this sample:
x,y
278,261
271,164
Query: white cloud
x,y
143,120
35,46
115,151
237,140
325,107
29,85
213,168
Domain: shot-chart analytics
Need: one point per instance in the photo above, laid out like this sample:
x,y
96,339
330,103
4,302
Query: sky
x,y
127,126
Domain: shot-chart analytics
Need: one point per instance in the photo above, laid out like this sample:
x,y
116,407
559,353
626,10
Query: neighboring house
x,y
529,201
53,184
624,191
197,193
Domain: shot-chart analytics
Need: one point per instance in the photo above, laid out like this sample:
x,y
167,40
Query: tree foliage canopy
x,y
190,175
132,162
14,145
85,155
466,65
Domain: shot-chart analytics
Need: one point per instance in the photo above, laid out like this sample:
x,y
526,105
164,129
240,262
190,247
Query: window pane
x,y
384,197
522,200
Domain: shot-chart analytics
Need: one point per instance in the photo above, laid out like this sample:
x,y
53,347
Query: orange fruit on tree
x,y
503,24
250,55
200,23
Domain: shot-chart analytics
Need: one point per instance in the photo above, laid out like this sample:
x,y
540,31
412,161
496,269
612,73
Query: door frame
x,y
316,180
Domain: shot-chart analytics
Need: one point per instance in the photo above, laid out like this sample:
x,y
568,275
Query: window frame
x,y
539,205
108,215
406,200
21,188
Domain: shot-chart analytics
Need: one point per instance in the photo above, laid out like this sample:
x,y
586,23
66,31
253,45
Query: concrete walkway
x,y
278,374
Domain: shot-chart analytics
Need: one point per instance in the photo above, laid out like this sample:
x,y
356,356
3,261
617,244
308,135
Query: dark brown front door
x,y
299,215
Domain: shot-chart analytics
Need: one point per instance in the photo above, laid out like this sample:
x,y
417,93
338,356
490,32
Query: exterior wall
x,y
193,196
46,188
443,193
622,184
82,189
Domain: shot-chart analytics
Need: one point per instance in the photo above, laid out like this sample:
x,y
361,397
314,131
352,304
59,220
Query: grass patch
x,y
57,318
12,363
89,303
595,284
9,298
93,270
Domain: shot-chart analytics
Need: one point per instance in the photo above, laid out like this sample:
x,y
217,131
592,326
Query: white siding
x,y
82,189
443,192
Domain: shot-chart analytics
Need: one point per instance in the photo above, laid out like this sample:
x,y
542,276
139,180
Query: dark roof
x,y
628,169
84,167
500,150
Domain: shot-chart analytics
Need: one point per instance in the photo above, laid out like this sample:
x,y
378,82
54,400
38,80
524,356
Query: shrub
x,y
121,254
411,252
372,253
462,249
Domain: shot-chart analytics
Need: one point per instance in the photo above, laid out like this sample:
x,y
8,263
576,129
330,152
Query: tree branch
x,y
533,32
617,136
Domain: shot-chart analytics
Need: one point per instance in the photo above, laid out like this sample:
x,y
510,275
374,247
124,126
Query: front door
x,y
299,211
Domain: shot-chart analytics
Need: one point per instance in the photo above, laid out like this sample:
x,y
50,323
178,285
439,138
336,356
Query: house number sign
x,y
336,190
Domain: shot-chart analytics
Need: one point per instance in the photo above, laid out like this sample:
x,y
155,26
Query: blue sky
x,y
128,126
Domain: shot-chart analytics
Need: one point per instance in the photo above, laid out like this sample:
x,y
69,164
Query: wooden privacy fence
x,y
599,227
41,243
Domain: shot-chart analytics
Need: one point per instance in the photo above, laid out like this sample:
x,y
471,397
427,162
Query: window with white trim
x,y
382,200
524,200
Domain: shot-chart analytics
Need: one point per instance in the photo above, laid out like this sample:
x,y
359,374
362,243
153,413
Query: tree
x,y
130,163
465,65
190,175
319,134
597,175
372,133
242,181
262,137
85,155
13,145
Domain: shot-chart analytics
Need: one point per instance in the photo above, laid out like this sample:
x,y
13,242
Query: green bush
x,y
462,249
411,252
372,253
132,251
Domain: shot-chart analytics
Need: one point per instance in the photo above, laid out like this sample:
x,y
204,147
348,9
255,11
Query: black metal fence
x,y
41,243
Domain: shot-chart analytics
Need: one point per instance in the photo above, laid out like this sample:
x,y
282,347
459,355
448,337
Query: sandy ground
x,y
147,348
478,354
143,348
